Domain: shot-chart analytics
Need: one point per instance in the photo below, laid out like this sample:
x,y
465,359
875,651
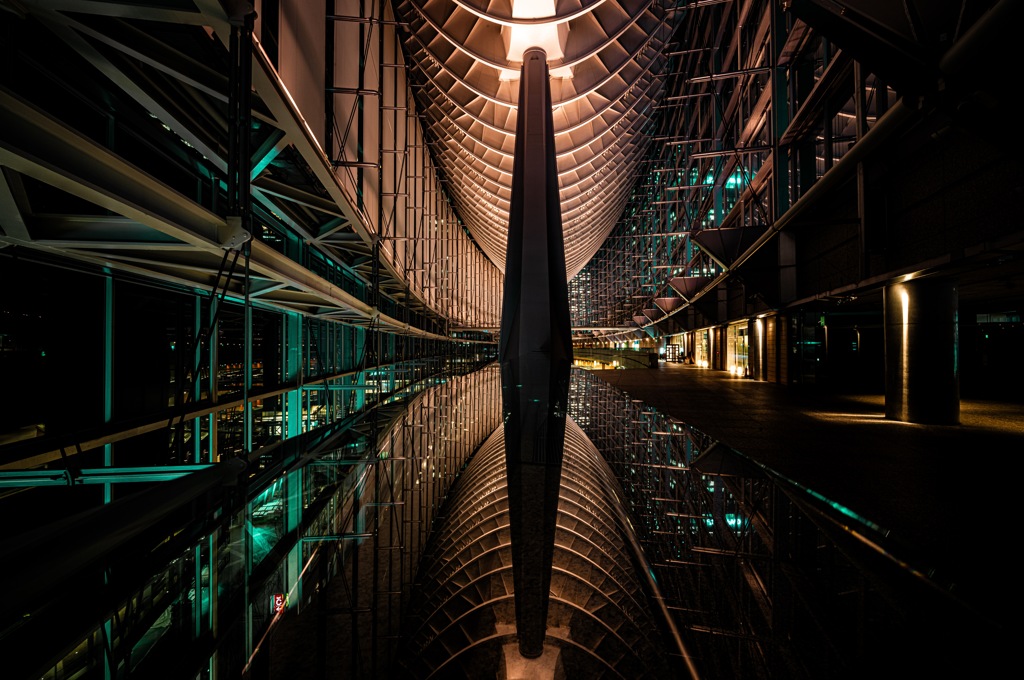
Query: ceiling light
x,y
550,36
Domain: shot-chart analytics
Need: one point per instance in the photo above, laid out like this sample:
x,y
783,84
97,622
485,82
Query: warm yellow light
x,y
544,36
550,37
905,355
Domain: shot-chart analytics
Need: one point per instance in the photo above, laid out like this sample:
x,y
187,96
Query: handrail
x,y
857,533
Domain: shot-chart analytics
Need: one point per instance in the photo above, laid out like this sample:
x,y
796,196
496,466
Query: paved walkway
x,y
948,493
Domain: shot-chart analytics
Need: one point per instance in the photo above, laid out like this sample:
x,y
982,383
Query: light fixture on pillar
x,y
549,36
922,374
905,354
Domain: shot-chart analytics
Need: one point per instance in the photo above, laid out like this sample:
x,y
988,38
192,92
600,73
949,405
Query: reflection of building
x,y
599,619
823,198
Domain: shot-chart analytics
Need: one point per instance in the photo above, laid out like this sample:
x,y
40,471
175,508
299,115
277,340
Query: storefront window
x,y
737,345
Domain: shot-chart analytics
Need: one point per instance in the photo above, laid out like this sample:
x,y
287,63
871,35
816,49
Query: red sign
x,y
278,602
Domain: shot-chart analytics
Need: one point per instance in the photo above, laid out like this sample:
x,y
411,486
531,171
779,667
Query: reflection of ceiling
x,y
615,52
463,615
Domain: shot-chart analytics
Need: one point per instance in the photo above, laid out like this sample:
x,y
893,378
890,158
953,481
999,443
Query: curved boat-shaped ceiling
x,y
607,61
462,618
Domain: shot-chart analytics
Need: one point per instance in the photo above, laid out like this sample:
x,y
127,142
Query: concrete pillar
x,y
755,348
922,372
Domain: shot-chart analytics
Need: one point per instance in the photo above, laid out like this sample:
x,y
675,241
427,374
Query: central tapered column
x,y
535,353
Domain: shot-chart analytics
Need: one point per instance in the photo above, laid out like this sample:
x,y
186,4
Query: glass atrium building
x,y
252,266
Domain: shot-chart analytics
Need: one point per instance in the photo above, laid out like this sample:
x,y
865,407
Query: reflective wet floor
x,y
944,492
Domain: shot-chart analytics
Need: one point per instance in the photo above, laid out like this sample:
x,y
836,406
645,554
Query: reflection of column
x,y
535,353
922,373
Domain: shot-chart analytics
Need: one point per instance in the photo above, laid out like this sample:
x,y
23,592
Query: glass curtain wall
x,y
753,117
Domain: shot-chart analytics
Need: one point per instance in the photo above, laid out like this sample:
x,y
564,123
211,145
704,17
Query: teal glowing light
x,y
263,540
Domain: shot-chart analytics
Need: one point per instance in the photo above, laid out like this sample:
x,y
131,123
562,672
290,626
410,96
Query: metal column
x,y
535,353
